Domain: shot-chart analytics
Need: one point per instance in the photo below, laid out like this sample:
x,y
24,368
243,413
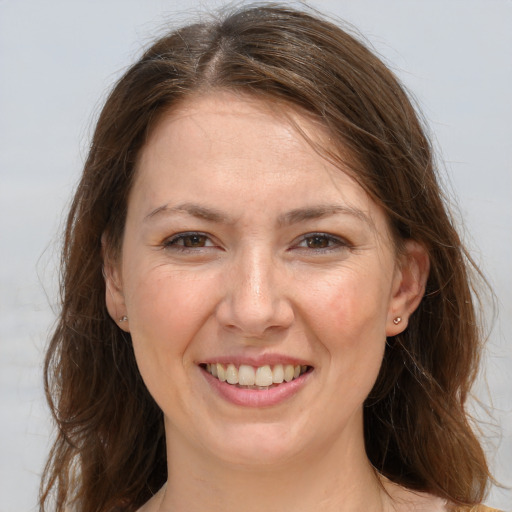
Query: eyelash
x,y
174,241
334,242
178,241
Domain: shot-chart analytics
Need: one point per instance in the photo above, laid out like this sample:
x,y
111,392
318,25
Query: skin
x,y
288,258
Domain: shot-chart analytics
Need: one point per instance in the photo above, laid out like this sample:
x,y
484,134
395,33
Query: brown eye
x,y
318,242
188,241
194,241
321,242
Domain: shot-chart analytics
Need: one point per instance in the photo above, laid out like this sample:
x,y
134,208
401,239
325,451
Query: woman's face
x,y
248,257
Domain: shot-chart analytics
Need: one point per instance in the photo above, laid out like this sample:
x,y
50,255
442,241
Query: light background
x,y
58,58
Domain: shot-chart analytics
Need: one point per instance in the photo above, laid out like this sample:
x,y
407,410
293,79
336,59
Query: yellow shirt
x,y
478,508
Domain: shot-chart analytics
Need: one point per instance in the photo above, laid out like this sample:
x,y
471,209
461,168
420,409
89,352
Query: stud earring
x,y
397,320
123,318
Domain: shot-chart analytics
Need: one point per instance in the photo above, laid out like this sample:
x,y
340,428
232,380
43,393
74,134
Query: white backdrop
x,y
58,58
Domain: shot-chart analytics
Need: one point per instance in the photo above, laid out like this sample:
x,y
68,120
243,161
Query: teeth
x,y
278,374
232,374
289,371
263,376
221,373
246,375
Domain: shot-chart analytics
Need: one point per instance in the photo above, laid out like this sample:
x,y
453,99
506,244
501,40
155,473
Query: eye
x,y
318,242
321,241
189,241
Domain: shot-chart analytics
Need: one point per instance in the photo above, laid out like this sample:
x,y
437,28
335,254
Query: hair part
x,y
109,451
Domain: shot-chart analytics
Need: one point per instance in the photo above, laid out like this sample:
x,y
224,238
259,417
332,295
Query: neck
x,y
340,480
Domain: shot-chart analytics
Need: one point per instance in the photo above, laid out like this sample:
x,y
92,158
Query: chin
x,y
257,445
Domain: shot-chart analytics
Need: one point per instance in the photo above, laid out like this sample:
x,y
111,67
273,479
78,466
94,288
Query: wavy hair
x,y
109,452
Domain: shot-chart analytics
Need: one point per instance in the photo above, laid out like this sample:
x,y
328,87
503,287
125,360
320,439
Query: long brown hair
x,y
109,452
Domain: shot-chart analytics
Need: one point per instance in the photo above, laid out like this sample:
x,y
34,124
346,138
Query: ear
x,y
114,296
408,286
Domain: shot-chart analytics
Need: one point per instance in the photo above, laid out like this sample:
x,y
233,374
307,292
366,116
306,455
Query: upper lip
x,y
256,361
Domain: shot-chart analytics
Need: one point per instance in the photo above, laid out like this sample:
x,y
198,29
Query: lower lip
x,y
257,397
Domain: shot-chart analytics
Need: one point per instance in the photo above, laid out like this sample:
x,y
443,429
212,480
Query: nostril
x,y
252,303
252,322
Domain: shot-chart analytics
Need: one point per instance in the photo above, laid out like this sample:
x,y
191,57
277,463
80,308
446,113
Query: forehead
x,y
222,146
226,107
243,126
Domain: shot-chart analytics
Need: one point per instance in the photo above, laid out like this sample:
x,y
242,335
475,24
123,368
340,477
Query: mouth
x,y
259,378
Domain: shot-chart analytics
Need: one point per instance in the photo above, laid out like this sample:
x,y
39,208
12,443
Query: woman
x,y
265,303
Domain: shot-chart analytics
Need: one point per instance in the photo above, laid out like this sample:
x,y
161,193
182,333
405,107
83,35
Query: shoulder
x,y
408,500
477,508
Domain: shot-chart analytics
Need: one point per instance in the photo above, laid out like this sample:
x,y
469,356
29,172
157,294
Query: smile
x,y
250,377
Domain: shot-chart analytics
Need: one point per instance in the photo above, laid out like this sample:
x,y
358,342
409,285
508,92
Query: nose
x,y
255,300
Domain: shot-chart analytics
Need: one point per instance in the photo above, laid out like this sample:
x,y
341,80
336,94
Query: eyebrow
x,y
317,212
292,217
192,209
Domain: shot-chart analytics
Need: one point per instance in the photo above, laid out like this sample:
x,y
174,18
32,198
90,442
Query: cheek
x,y
350,305
347,317
165,310
167,303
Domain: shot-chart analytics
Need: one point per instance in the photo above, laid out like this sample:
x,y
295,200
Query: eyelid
x,y
171,240
339,242
334,241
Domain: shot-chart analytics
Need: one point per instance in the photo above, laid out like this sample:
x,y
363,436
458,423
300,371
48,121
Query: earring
x,y
397,320
123,318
